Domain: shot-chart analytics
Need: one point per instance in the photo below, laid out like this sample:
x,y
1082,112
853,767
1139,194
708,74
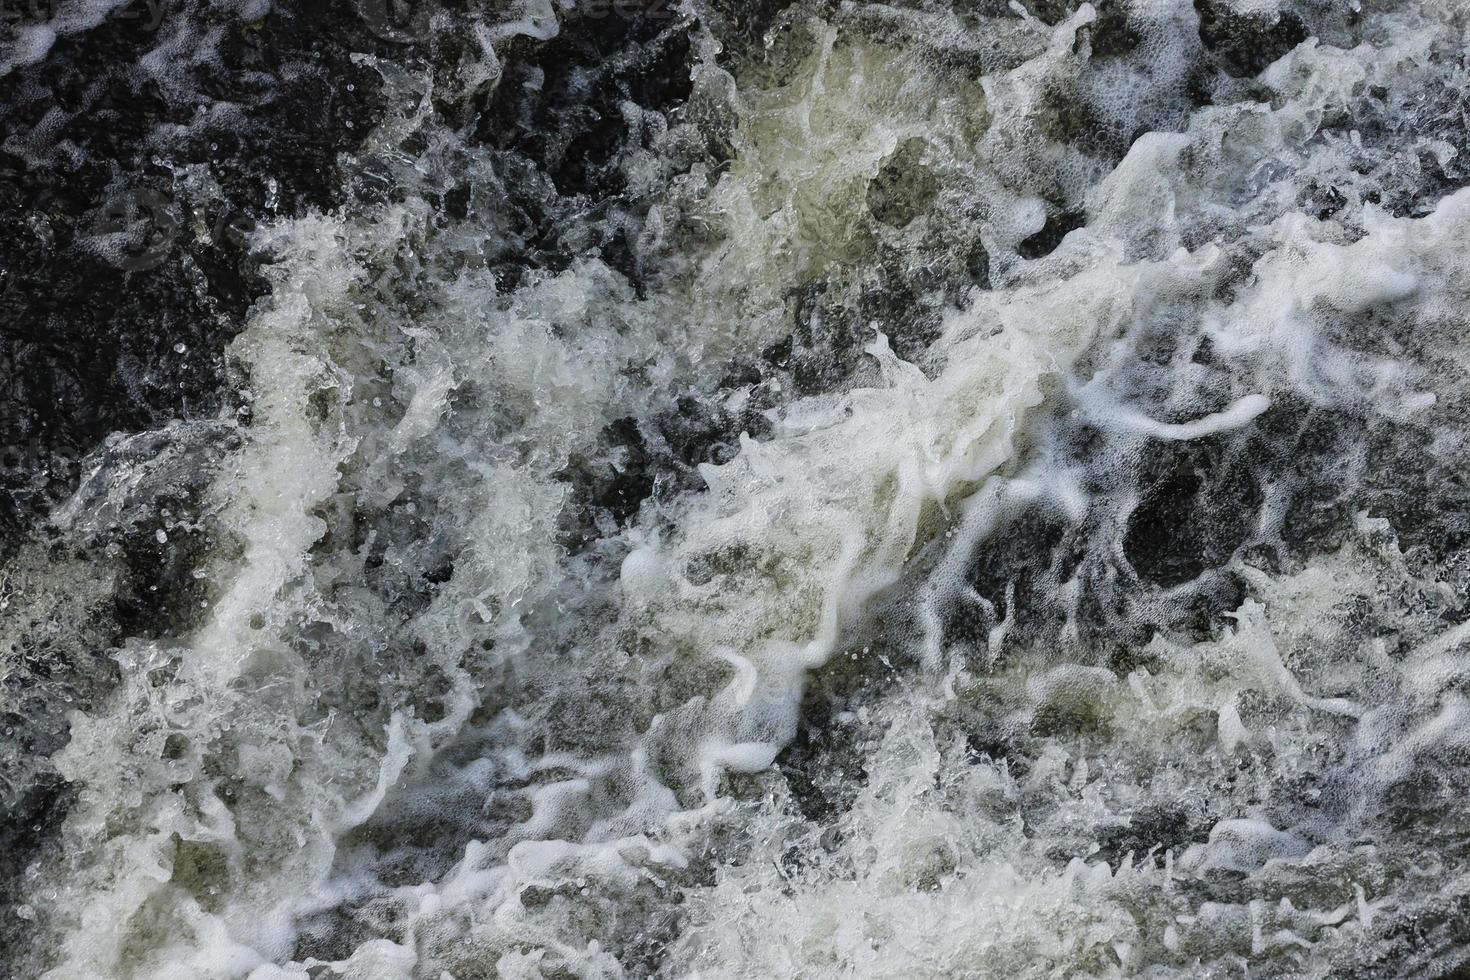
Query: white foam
x,y
557,736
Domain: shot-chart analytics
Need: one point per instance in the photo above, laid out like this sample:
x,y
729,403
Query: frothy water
x,y
905,491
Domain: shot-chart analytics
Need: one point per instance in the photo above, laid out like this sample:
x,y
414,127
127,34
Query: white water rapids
x,y
1000,518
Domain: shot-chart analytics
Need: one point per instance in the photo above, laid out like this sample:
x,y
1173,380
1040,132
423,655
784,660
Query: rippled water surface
x,y
731,489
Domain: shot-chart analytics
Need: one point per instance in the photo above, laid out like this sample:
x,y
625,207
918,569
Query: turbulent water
x,y
593,488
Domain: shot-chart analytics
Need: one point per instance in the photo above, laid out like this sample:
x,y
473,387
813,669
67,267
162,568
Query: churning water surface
x,y
722,489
